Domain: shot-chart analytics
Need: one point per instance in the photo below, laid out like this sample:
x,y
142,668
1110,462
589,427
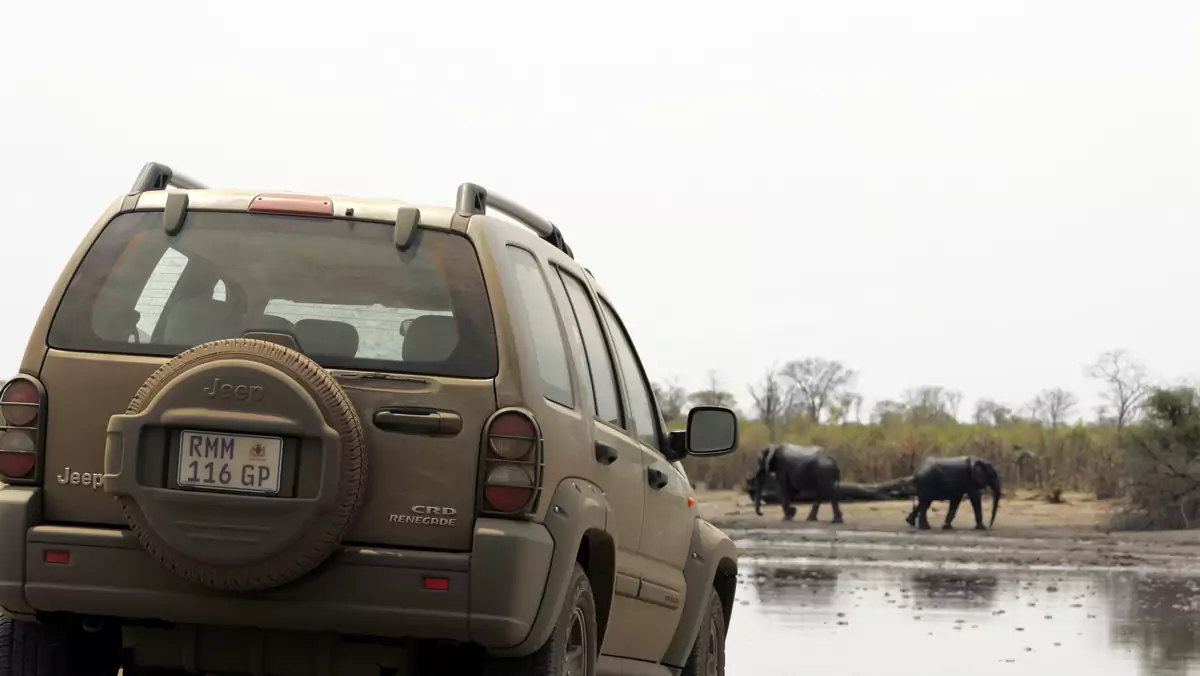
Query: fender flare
x,y
712,564
578,510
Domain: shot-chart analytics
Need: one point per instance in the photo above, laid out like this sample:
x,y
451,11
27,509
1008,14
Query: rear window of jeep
x,y
340,288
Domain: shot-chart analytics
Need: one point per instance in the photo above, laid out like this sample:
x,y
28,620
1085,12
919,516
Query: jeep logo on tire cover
x,y
220,390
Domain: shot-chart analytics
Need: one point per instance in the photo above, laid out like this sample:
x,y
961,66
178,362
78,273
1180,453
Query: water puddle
x,y
968,550
849,618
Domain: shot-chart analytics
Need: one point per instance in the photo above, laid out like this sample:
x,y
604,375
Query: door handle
x,y
418,421
657,478
605,454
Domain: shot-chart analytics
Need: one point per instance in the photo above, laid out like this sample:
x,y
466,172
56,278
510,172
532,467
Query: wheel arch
x,y
577,519
597,554
711,565
725,583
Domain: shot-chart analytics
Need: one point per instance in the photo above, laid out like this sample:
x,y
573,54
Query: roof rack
x,y
155,176
474,199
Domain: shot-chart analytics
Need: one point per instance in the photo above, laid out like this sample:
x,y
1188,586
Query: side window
x,y
641,406
547,339
568,312
604,381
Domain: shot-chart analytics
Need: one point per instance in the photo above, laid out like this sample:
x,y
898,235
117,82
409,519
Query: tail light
x,y
512,468
22,426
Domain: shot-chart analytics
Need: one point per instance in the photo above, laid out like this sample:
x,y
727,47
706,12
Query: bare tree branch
x,y
817,382
671,399
930,404
1053,406
1125,382
991,413
846,402
772,401
713,394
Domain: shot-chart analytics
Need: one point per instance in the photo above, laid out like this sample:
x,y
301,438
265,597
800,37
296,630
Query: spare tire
x,y
226,539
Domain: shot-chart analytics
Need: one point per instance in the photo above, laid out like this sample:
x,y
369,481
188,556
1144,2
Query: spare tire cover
x,y
225,539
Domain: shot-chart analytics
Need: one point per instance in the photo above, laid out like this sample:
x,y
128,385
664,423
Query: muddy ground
x,y
1028,531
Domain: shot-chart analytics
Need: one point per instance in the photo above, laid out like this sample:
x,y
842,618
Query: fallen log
x,y
897,489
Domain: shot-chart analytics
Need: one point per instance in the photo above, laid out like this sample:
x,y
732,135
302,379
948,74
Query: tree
x,y
991,413
817,382
953,402
846,402
1125,382
713,394
671,399
1053,406
1160,461
887,409
772,401
931,405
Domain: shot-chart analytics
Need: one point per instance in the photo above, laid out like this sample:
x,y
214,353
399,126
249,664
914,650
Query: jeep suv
x,y
273,433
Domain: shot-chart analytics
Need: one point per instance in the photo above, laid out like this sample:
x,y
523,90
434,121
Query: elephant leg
x,y
977,507
923,516
951,512
812,513
911,519
785,501
837,509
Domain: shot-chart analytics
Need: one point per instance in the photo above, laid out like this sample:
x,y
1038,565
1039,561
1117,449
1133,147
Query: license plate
x,y
230,462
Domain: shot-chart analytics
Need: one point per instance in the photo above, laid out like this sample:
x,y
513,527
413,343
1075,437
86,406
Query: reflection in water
x,y
955,590
1159,618
812,585
858,619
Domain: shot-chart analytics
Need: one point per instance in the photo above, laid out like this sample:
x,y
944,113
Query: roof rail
x,y
474,199
155,176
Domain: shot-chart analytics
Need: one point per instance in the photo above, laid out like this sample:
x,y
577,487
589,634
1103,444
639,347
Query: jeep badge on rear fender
x,y
93,479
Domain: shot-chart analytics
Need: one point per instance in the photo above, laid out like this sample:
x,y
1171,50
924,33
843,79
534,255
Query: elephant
x,y
950,478
808,469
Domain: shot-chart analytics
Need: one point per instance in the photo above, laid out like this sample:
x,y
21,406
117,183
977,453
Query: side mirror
x,y
711,430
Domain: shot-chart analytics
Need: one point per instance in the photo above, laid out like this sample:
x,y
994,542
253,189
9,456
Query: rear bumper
x,y
360,590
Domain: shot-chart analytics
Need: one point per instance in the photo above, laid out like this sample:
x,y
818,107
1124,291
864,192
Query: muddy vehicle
x,y
307,435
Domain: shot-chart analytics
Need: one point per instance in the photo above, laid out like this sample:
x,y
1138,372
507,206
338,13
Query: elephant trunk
x,y
995,500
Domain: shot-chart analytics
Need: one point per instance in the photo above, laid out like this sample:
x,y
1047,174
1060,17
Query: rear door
x,y
409,335
667,521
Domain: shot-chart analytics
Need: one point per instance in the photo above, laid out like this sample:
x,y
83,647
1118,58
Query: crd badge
x,y
427,515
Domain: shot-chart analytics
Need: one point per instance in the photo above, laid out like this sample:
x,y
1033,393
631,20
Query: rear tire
x,y
28,649
573,647
708,652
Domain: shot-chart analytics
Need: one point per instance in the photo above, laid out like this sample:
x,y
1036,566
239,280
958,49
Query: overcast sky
x,y
977,195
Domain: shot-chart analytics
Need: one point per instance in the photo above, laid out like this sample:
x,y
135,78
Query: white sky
x,y
976,195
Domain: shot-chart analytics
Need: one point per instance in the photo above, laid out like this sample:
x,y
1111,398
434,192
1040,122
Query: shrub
x,y
1162,463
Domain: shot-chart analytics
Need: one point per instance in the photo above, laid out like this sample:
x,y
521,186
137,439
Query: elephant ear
x,y
768,457
979,471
